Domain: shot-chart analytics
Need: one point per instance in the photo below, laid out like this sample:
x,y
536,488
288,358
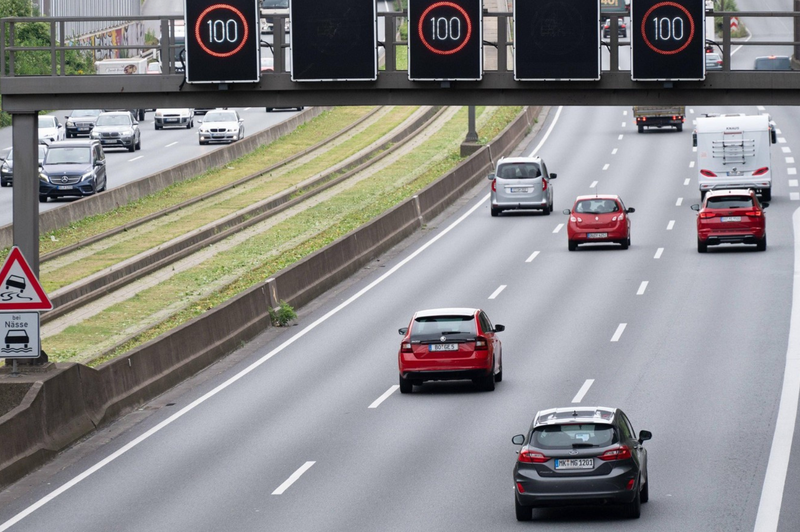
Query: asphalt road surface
x,y
306,431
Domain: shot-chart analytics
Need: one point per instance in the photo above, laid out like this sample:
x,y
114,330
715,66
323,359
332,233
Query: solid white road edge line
x,y
618,332
376,403
177,415
497,292
642,288
549,130
292,479
533,256
769,509
585,388
659,251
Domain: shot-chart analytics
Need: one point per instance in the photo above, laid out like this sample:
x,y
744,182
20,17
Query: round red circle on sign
x,y
200,20
433,48
691,28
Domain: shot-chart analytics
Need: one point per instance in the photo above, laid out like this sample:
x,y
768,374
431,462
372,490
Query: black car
x,y
81,122
580,455
7,167
72,168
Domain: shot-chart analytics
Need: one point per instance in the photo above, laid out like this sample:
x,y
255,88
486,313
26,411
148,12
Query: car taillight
x,y
480,344
405,347
494,185
620,453
529,457
753,213
544,185
520,488
620,218
707,214
573,219
761,171
708,173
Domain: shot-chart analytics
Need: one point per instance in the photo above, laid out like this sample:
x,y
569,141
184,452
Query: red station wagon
x,y
599,218
450,344
731,217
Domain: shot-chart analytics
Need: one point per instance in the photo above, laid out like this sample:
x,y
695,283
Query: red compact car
x,y
599,218
450,344
731,217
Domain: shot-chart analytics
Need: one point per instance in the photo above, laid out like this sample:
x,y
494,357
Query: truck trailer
x,y
659,116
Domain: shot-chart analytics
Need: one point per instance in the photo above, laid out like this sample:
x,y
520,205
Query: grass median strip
x,y
228,273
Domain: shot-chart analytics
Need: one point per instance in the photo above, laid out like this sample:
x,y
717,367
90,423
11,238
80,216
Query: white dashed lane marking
x,y
786,149
691,164
679,202
623,124
686,181
605,166
533,256
793,182
614,151
136,158
618,332
659,252
618,138
558,228
292,479
794,196
497,292
791,171
790,160
376,403
582,392
171,144
594,184
670,225
781,140
642,288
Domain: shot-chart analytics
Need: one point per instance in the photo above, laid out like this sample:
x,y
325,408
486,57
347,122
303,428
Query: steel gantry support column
x,y
26,186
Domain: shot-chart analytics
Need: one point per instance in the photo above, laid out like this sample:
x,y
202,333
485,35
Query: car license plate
x,y
597,235
515,190
443,347
83,129
172,120
65,187
735,174
731,219
575,463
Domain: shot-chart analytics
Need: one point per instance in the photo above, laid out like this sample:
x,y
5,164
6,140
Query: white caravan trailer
x,y
734,152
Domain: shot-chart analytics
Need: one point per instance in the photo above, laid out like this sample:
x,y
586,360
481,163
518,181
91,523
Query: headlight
x,y
4,168
159,114
127,133
87,175
95,134
70,123
43,177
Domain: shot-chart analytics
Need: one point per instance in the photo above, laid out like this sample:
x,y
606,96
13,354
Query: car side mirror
x,y
490,177
552,176
566,211
644,435
695,207
630,210
66,117
519,439
402,331
200,121
499,328
99,162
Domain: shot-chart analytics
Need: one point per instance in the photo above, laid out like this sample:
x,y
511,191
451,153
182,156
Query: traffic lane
x,y
161,149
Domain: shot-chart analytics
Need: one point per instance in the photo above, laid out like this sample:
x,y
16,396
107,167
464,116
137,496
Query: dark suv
x,y
72,168
580,455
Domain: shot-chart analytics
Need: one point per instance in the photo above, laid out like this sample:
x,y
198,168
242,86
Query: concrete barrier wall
x,y
135,190
68,403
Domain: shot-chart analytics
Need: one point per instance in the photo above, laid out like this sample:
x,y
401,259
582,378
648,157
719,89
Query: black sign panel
x,y
445,40
667,40
334,40
222,41
556,39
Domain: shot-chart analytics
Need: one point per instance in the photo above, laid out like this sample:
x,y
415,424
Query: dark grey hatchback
x,y
581,456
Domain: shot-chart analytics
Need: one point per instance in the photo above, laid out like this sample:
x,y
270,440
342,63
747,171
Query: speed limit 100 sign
x,y
222,41
445,40
668,40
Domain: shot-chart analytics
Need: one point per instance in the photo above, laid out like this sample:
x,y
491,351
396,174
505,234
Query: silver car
x,y
521,183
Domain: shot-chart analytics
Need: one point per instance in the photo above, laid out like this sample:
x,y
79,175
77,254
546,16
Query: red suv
x,y
731,217
599,218
450,344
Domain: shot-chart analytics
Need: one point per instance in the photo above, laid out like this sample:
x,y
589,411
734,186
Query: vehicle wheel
x,y
203,142
69,135
138,144
156,127
132,147
495,212
499,375
625,243
679,127
641,128
634,508
105,185
546,211
766,194
486,383
190,124
405,385
524,513
300,108
269,109
645,493
572,245
702,247
761,245
702,196
42,198
141,114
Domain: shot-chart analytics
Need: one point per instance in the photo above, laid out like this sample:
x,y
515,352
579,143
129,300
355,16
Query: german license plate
x,y
515,190
575,463
443,347
731,219
597,235
171,119
65,187
735,174
83,129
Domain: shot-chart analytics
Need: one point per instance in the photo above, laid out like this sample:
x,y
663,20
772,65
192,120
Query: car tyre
x,y
486,383
405,385
761,245
524,513
547,210
42,198
766,194
138,145
641,128
499,375
203,142
679,127
156,127
645,493
634,508
626,243
572,245
495,212
269,109
702,247
189,124
132,147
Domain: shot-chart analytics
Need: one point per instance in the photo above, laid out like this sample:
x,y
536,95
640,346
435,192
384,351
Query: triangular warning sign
x,y
19,287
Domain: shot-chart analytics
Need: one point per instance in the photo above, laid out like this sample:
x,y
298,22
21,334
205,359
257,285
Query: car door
x,y
491,338
100,169
629,439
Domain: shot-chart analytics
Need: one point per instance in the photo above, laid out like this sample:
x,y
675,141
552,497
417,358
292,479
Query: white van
x,y
734,152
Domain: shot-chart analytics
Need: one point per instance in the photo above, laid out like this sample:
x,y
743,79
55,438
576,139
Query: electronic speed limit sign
x,y
668,40
222,41
445,40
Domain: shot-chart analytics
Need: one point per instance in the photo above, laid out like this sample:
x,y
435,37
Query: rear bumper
x,y
445,375
577,490
172,121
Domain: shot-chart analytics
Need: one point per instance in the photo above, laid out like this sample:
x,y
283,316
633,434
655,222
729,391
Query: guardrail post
x,y
26,186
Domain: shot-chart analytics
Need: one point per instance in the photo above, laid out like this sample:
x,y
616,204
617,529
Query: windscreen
x,y
434,327
85,112
518,171
47,121
572,436
114,120
729,202
220,117
68,156
275,4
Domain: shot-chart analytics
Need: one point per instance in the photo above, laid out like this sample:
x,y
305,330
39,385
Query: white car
x,y
50,129
221,125
174,117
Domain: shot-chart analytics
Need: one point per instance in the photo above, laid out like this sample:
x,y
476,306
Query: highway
x,y
303,429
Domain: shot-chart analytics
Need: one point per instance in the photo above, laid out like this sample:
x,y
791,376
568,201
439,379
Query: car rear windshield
x,y
729,202
114,120
773,63
68,156
275,4
435,326
518,171
573,435
597,206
